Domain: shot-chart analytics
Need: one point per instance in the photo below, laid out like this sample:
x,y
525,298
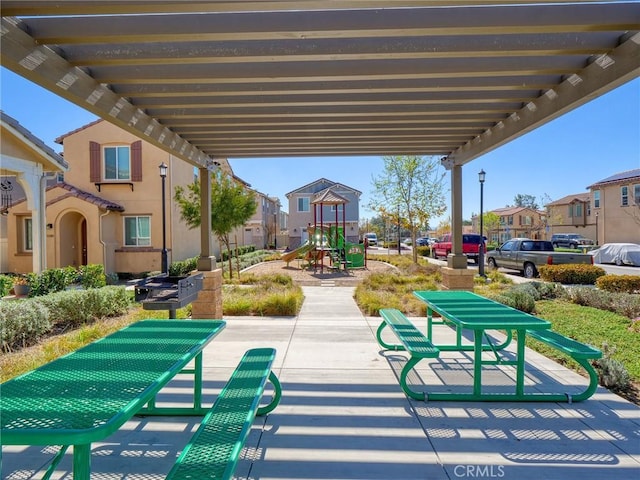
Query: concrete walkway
x,y
344,416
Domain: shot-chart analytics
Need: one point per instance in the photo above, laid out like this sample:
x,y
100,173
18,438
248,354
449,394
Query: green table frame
x,y
466,310
89,394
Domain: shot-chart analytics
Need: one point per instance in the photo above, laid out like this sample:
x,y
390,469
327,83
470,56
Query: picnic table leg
x,y
197,382
82,461
478,335
520,363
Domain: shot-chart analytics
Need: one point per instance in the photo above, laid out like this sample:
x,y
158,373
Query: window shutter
x,y
94,162
136,161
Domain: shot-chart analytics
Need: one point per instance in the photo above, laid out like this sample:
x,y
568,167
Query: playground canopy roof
x,y
220,79
329,197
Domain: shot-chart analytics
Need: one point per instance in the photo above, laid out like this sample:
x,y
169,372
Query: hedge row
x,y
619,283
25,321
571,274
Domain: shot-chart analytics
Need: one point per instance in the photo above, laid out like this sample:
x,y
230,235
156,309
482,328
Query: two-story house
x,y
571,214
108,208
608,213
305,210
263,228
615,206
517,222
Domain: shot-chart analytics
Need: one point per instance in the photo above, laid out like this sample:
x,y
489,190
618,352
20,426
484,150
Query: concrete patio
x,y
344,416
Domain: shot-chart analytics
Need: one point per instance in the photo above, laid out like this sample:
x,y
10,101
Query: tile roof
x,y
79,129
13,123
581,197
83,195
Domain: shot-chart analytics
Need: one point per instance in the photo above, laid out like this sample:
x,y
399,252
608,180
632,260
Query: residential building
x,y
25,165
263,228
615,206
514,222
108,208
304,211
571,214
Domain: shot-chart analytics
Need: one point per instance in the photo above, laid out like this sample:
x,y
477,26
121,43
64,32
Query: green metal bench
x,y
412,341
580,352
215,448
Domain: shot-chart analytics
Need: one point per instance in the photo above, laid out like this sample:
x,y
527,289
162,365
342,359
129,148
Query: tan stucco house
x,y
25,165
108,208
518,222
608,213
615,205
572,214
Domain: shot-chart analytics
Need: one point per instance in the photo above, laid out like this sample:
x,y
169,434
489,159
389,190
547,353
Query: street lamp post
x,y
163,175
481,176
597,229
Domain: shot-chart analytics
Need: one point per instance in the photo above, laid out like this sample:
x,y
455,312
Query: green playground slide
x,y
304,248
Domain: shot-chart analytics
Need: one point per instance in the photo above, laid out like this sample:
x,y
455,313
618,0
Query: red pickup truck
x,y
470,246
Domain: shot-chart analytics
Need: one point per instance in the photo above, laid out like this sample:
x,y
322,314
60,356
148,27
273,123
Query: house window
x,y
570,211
636,194
624,196
510,220
527,220
27,235
303,204
578,210
596,199
137,231
117,164
339,208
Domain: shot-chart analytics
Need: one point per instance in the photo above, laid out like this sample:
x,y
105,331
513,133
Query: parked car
x,y
422,242
371,238
527,255
618,253
470,246
570,240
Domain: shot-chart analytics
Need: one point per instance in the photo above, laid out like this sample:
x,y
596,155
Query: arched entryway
x,y
72,240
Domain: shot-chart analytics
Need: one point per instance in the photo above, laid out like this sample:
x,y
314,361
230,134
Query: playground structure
x,y
329,240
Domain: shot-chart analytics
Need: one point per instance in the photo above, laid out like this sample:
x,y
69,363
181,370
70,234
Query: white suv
x,y
371,238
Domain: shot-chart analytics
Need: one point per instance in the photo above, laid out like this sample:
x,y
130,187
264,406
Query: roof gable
x,y
322,184
33,143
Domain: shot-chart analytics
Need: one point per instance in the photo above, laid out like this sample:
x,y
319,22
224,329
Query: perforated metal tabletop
x,y
87,395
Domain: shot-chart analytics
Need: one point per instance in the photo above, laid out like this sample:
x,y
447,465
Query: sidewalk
x,y
344,416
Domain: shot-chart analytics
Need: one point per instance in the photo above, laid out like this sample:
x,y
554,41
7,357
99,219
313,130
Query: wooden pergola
x,y
211,80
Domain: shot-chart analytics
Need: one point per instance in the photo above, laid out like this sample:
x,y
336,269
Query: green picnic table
x,y
465,310
89,394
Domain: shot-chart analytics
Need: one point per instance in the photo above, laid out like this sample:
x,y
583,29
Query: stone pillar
x,y
208,305
457,278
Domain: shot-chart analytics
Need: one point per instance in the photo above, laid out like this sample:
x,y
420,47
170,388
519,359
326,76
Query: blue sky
x,y
560,158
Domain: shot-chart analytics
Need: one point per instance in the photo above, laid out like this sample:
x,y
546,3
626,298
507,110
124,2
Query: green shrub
x,y
72,308
23,322
612,373
571,274
6,283
51,280
626,304
619,283
424,251
517,299
183,267
92,276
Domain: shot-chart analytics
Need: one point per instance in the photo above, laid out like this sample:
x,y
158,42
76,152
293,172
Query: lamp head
x,y
163,169
481,175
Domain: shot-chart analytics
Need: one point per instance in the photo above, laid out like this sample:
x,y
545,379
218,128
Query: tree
x,y
231,206
524,200
490,223
411,191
